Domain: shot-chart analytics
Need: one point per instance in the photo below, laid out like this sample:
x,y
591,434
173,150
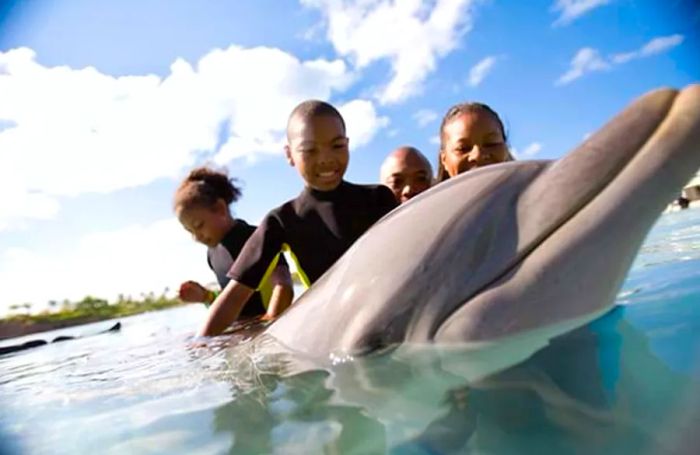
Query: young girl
x,y
201,204
471,136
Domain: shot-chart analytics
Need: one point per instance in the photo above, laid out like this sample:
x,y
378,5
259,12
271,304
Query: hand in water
x,y
267,317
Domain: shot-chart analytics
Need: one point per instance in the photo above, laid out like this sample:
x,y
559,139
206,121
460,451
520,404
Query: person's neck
x,y
323,194
230,223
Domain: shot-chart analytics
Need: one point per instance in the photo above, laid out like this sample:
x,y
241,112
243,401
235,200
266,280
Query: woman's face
x,y
472,140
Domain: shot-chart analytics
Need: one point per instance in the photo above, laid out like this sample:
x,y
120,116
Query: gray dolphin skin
x,y
507,249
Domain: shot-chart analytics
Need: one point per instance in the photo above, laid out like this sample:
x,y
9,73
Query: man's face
x,y
318,148
406,174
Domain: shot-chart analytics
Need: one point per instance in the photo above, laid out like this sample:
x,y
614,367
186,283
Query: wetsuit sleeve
x,y
258,253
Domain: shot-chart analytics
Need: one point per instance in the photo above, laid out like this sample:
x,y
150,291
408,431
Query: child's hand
x,y
191,291
268,317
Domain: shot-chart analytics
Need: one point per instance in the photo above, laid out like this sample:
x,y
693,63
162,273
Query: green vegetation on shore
x,y
93,309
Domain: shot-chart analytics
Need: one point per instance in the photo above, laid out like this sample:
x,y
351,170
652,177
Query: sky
x,y
105,107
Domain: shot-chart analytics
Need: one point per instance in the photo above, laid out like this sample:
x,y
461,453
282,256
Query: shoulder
x,y
379,194
278,217
243,228
282,212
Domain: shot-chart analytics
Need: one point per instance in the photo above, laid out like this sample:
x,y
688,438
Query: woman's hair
x,y
204,186
457,110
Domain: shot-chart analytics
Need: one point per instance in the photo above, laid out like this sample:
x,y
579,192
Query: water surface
x,y
625,383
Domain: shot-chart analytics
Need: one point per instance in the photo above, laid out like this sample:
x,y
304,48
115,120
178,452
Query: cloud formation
x,y
424,117
134,254
531,150
570,10
70,131
411,35
362,121
588,60
479,71
653,47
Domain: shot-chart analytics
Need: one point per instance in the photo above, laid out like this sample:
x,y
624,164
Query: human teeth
x,y
326,174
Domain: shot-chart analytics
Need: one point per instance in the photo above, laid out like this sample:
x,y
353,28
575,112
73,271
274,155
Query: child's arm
x,y
226,308
246,273
282,291
280,300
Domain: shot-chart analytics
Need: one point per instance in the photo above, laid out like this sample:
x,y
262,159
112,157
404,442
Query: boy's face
x,y
318,148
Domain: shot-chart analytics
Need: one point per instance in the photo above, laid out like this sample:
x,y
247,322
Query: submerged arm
x,y
226,308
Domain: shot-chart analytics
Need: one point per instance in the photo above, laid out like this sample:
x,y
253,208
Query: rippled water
x,y
626,383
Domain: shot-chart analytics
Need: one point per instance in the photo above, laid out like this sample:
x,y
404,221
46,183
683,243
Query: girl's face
x,y
208,225
472,140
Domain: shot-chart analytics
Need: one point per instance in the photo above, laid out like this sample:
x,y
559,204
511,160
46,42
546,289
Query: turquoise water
x,y
626,383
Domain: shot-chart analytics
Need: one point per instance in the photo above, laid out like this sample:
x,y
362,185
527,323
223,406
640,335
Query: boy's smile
x,y
318,148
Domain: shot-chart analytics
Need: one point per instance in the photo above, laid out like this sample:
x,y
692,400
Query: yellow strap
x,y
266,286
304,279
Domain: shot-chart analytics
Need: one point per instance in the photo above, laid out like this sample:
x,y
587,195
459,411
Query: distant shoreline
x,y
87,311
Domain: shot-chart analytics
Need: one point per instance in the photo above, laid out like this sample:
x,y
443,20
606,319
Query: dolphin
x,y
507,250
36,343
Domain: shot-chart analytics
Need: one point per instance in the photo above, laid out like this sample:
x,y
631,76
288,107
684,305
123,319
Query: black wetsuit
x,y
222,256
317,227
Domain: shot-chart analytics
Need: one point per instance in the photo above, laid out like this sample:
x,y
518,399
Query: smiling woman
x,y
471,136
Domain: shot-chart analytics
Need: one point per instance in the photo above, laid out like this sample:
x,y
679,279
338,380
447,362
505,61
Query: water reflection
x,y
298,415
598,389
626,383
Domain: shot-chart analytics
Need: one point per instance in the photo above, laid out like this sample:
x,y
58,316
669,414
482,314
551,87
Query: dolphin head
x,y
508,248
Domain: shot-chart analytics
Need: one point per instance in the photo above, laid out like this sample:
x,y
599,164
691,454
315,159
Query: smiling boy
x,y
318,226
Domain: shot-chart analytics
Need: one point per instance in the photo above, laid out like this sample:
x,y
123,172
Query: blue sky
x,y
105,106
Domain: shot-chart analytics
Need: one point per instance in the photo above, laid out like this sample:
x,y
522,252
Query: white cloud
x,y
70,131
531,150
570,10
481,70
585,61
362,122
132,260
19,203
435,139
411,34
653,47
424,117
528,152
588,60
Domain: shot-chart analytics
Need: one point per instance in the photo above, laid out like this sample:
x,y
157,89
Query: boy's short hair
x,y
313,108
